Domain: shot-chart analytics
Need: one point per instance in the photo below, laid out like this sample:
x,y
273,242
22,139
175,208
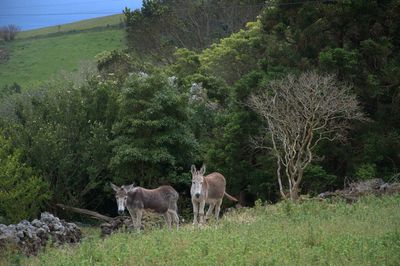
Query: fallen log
x,y
94,214
149,220
110,225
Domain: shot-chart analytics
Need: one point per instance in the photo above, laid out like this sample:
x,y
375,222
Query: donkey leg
x,y
217,209
139,214
176,219
174,213
195,211
174,216
210,209
201,211
132,213
167,219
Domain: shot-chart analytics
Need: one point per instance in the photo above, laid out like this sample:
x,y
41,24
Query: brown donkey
x,y
208,189
162,200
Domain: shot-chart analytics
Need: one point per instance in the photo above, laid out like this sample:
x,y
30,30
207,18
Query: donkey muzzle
x,y
197,195
120,212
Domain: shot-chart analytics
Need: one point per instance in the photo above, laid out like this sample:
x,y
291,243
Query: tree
x,y
234,56
64,134
152,142
9,32
22,192
155,31
3,33
299,113
230,149
360,42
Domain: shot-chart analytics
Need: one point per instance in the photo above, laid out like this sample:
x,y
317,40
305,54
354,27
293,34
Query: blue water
x,y
33,14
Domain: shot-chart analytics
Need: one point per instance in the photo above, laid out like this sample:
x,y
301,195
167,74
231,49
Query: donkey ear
x,y
129,187
116,188
193,169
203,169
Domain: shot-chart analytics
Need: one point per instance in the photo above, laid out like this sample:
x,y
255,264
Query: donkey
x,y
162,200
207,189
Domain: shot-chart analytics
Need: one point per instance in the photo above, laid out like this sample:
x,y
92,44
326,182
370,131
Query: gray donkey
x,y
162,200
207,189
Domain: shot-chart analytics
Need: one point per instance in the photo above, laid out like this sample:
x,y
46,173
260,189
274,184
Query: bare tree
x,y
4,33
13,31
300,112
9,32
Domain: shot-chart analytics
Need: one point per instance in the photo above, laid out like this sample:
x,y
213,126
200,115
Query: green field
x,y
76,26
33,60
311,233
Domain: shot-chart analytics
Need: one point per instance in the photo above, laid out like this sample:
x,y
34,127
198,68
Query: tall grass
x,y
366,233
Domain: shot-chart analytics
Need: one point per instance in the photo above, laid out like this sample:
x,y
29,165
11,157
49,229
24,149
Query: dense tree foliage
x,y
356,40
159,27
64,132
22,191
153,141
144,122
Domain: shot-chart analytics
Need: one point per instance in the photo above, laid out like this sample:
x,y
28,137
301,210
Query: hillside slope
x,y
107,21
33,60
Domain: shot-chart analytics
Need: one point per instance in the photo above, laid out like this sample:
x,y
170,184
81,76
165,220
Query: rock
x,y
366,186
30,237
37,223
355,190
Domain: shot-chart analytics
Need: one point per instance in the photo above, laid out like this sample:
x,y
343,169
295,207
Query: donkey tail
x,y
230,197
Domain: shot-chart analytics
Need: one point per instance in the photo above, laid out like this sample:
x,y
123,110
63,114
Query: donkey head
x,y
197,181
121,195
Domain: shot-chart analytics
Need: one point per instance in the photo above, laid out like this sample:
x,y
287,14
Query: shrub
x,y
22,192
366,171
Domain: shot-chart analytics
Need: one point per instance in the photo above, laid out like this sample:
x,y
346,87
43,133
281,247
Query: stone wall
x,y
30,237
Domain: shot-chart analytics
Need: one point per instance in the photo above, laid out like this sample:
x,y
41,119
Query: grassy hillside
x,y
79,25
312,233
34,60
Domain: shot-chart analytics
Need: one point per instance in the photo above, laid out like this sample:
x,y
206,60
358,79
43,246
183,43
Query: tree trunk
x,y
242,198
294,192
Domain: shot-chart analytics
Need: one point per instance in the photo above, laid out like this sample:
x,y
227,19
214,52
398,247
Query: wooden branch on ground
x,y
348,198
93,214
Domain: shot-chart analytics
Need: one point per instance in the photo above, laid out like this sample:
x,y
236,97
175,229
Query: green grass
x,y
311,233
35,60
79,25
